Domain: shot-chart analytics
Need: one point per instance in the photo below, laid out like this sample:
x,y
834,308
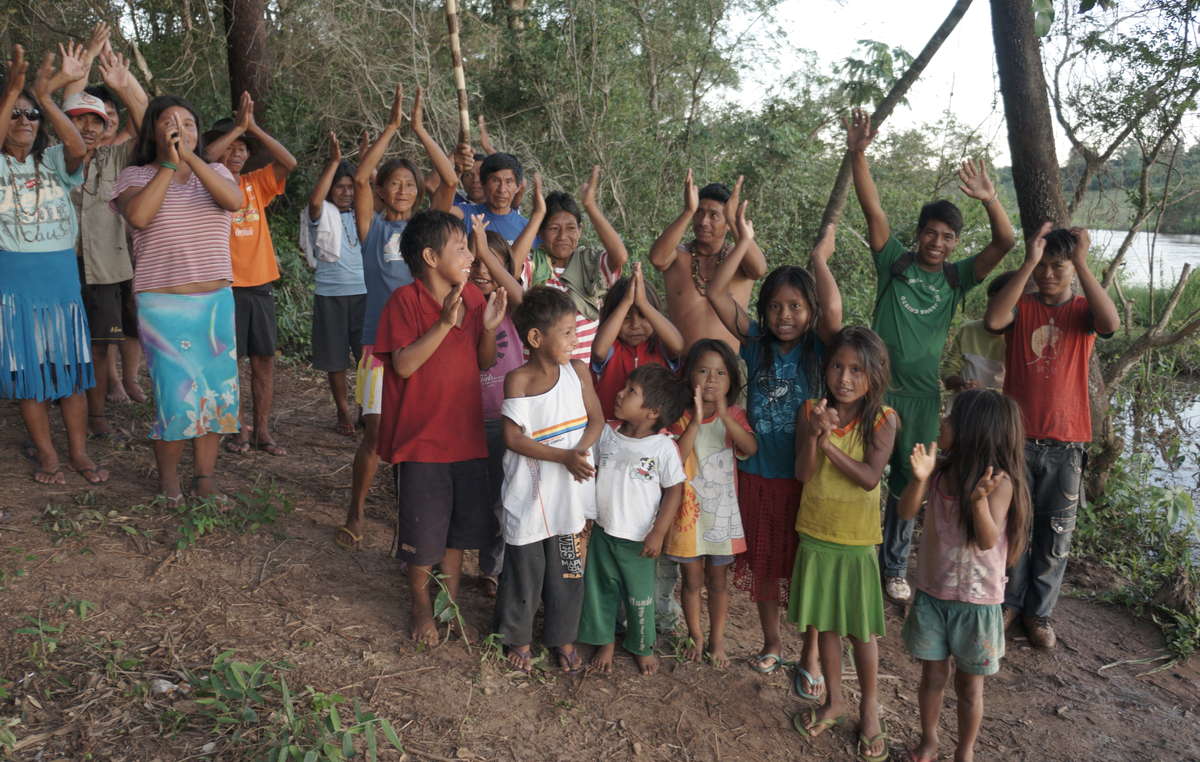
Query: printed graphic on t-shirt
x,y
1044,341
570,555
391,249
919,285
773,408
646,470
41,210
247,215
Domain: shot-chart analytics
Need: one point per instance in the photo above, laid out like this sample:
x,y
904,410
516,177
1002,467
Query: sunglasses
x,y
30,114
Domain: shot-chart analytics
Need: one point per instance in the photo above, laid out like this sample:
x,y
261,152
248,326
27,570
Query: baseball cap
x,y
77,104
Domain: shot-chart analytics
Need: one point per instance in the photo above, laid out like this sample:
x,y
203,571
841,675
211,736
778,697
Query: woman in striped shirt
x,y
179,209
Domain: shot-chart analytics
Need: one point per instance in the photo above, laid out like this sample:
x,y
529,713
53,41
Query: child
x,y
490,271
975,359
797,314
329,239
976,523
707,531
435,335
916,295
396,188
639,485
255,268
559,261
1049,336
551,421
843,441
632,333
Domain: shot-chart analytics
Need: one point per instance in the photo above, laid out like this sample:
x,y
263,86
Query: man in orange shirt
x,y
231,142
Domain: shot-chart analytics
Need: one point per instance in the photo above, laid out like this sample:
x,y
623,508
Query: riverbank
x,y
98,603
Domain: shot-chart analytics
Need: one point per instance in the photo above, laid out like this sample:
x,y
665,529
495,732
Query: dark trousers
x,y
547,572
491,555
1055,474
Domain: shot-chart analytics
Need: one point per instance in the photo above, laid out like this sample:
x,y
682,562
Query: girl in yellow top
x,y
842,444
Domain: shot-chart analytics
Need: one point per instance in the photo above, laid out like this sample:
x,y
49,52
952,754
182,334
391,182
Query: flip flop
x,y
813,727
526,659
232,445
802,676
345,429
758,663
355,539
573,661
52,473
270,448
865,743
93,475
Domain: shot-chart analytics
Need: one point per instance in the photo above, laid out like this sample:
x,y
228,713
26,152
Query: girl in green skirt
x,y
842,444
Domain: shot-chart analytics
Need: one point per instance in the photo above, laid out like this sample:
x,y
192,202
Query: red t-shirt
x,y
622,360
1046,354
436,414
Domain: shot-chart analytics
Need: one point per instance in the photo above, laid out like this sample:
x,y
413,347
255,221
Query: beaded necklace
x,y
700,281
18,210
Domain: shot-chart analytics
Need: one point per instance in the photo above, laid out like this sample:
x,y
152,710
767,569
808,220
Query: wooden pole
x,y
460,79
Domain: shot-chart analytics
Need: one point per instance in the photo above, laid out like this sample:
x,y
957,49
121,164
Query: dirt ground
x,y
287,593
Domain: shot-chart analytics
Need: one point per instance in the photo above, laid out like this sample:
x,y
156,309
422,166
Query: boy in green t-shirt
x,y
916,294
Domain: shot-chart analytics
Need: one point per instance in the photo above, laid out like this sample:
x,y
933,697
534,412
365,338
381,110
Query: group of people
x,y
540,406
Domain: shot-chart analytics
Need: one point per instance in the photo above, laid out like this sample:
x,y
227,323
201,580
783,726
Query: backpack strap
x,y
901,265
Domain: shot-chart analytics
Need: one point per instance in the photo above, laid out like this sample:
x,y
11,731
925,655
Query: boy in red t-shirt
x,y
1049,336
434,337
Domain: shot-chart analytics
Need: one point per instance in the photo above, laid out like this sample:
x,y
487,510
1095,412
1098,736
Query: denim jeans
x,y
897,539
1055,474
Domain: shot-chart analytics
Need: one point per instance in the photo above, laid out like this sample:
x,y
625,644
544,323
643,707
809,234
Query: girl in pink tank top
x,y
976,524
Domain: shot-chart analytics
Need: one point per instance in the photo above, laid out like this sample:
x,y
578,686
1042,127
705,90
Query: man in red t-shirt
x,y
1049,336
255,268
434,336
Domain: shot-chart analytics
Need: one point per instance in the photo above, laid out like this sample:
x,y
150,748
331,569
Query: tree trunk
x,y
246,49
841,184
1027,112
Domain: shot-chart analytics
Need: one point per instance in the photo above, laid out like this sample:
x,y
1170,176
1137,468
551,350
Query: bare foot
x,y
424,630
87,468
694,651
925,752
49,474
117,394
602,659
133,390
716,653
520,658
647,664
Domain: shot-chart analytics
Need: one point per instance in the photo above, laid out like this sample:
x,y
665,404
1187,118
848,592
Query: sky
x,y
961,77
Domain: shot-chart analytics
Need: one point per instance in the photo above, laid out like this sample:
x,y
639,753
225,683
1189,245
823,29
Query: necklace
x,y
19,210
700,281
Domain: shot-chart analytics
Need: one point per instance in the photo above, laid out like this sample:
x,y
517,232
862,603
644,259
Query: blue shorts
x,y
712,560
973,633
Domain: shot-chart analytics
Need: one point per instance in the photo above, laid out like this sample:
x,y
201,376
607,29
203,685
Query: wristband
x,y
168,165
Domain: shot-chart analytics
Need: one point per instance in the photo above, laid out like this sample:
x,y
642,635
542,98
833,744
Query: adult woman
x,y
179,208
44,344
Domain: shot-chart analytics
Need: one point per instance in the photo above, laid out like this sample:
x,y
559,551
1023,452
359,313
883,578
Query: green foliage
x,y
868,76
45,639
1148,535
252,708
263,506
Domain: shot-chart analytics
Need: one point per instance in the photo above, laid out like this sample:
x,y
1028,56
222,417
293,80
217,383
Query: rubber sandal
x,y
270,448
339,540
55,475
573,660
756,663
526,659
93,475
865,743
221,500
232,445
802,676
813,727
345,429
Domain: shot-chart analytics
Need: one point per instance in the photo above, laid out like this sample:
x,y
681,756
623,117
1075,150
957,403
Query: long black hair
x,y
873,355
617,292
147,139
801,280
987,431
41,138
732,368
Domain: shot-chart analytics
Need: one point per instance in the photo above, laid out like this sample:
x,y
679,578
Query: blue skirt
x,y
191,353
45,345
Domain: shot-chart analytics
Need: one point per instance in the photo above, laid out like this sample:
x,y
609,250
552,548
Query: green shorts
x,y
973,633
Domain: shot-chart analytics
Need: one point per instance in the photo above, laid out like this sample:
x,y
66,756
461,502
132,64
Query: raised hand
x,y
478,222
1035,247
72,67
539,199
974,181
578,463
824,248
396,116
452,306
98,41
497,306
14,83
745,228
697,406
335,150
364,143
43,80
587,191
114,70
245,112
464,157
1083,241
859,132
182,151
735,198
416,121
691,194
923,460
174,141
987,484
631,294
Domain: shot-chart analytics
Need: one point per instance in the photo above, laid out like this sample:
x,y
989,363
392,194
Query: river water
x,y
1171,252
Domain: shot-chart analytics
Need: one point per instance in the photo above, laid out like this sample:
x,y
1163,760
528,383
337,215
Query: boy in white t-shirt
x,y
639,486
552,418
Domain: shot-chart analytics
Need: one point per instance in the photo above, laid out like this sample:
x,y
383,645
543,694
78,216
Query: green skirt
x,y
836,588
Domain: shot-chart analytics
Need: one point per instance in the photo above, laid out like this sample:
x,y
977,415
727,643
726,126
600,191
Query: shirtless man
x,y
687,268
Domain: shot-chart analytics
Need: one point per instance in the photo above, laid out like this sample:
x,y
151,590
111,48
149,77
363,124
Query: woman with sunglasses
x,y
45,351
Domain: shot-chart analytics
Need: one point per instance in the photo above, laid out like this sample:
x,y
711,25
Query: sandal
x,y
49,475
524,659
571,663
340,541
760,663
236,446
222,501
817,685
345,428
270,447
864,745
93,475
815,727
